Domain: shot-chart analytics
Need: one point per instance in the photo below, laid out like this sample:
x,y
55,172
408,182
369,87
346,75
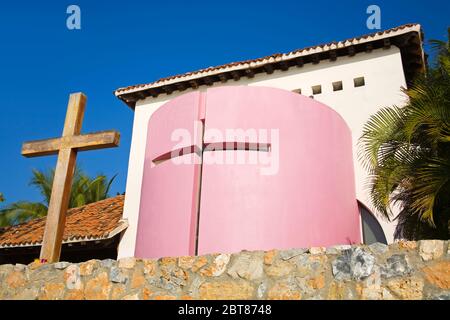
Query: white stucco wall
x,y
383,73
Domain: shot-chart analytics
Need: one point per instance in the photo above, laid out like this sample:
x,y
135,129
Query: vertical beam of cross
x,y
66,147
62,182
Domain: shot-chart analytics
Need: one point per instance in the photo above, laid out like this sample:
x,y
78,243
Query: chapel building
x,y
355,77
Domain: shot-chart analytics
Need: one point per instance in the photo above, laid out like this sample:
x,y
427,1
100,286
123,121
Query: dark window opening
x,y
338,86
359,82
317,89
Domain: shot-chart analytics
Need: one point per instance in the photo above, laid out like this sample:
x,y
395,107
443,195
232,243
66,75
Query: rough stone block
x,y
226,290
438,274
354,264
431,249
61,265
127,263
396,265
407,288
247,266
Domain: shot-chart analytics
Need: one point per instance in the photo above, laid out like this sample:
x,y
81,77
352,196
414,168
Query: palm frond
x,y
84,190
20,212
407,154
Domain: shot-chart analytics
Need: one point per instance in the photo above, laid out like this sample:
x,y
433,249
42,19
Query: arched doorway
x,y
371,229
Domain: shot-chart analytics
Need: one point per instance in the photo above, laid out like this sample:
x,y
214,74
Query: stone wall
x,y
404,270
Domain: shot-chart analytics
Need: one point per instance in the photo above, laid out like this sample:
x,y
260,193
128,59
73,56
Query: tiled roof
x,y
131,93
95,221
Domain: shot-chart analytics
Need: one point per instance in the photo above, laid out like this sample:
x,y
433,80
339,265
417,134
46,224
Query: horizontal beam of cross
x,y
84,142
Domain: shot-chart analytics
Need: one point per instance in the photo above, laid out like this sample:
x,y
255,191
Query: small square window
x,y
337,86
317,89
299,91
359,82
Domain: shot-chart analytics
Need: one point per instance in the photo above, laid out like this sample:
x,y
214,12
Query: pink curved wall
x,y
309,201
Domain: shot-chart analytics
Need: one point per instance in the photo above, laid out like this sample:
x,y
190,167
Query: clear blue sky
x,y
128,42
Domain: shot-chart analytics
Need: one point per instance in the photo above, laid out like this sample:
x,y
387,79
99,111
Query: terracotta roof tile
x,y
95,221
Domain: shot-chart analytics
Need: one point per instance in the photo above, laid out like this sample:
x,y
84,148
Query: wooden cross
x,y
66,148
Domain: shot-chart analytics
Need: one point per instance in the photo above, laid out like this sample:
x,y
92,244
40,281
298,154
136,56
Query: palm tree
x,y
2,198
407,153
85,190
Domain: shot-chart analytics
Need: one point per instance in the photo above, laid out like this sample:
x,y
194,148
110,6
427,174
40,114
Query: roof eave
x,y
123,225
396,36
